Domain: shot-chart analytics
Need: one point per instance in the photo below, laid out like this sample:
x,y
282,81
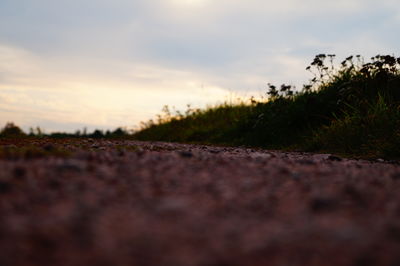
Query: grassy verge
x,y
352,110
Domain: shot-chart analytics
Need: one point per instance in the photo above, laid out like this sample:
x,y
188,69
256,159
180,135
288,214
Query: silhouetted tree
x,y
97,134
11,130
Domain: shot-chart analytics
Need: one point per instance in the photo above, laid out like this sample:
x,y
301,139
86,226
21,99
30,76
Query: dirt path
x,y
134,203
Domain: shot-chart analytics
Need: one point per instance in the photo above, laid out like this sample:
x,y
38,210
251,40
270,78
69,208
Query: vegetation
x,y
10,130
352,109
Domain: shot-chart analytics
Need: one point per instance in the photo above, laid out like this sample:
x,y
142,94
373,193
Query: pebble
x,y
322,204
395,176
19,172
334,158
186,154
5,187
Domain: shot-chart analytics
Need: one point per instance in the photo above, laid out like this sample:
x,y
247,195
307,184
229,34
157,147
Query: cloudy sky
x,y
102,64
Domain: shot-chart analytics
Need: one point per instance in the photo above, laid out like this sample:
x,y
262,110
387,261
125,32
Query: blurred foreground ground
x,y
92,202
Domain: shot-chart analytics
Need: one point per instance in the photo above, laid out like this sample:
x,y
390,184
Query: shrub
x,y
351,108
10,130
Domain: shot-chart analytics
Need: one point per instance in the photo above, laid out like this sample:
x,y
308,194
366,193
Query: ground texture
x,y
92,202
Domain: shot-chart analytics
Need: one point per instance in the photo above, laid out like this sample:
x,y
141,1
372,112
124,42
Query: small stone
x,y
5,187
306,162
171,206
393,231
395,176
260,156
49,147
186,154
140,152
322,204
296,176
54,184
19,172
334,158
70,166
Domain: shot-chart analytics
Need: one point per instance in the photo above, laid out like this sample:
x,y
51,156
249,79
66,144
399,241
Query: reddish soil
x,y
135,203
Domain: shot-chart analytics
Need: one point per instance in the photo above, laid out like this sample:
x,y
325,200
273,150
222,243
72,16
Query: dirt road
x,y
134,203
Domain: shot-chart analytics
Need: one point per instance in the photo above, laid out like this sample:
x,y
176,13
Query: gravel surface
x,y
91,202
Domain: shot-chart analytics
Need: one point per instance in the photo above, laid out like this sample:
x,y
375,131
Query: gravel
x,y
98,202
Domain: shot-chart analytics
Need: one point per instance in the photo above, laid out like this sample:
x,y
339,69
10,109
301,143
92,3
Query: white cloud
x,y
34,90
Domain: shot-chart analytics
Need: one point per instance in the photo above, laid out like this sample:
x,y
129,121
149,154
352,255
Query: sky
x,y
66,65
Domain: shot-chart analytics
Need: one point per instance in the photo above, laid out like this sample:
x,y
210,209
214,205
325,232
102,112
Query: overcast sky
x,y
108,63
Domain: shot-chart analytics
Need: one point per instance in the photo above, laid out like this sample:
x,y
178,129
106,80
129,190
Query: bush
x,y
373,133
353,109
10,130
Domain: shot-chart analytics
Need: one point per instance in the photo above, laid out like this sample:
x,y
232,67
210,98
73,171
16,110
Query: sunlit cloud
x,y
32,90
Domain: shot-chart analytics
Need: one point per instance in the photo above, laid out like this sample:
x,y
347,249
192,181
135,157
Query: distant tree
x,y
11,130
39,132
77,133
97,134
119,132
31,132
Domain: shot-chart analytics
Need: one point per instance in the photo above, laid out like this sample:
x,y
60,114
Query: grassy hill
x,y
353,109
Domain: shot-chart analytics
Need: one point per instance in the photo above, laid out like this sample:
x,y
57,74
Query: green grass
x,y
213,125
352,110
372,133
